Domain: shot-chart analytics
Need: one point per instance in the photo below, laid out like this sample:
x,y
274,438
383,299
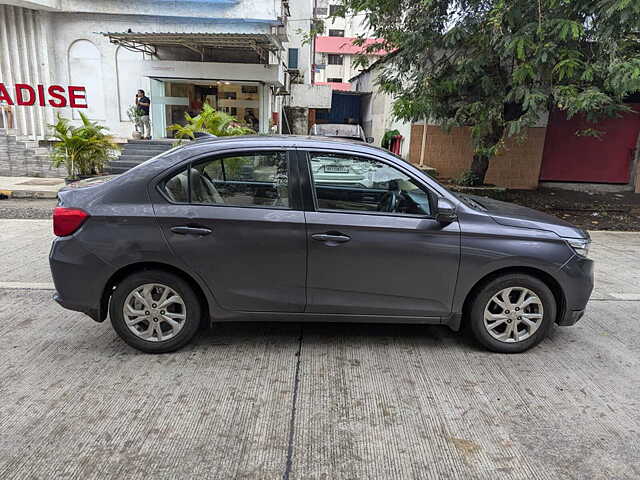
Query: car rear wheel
x,y
512,313
155,311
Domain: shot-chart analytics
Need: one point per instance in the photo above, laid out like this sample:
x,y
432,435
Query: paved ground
x,y
30,187
315,401
27,208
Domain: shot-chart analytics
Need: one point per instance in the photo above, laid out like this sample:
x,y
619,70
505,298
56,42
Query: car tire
x,y
165,336
531,322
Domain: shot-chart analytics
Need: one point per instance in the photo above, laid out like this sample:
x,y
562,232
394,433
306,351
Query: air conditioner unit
x,y
320,11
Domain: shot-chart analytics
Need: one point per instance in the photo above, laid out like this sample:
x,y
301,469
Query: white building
x,y
335,52
377,110
228,53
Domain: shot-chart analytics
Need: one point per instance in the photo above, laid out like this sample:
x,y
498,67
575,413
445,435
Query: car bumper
x,y
94,313
577,281
79,277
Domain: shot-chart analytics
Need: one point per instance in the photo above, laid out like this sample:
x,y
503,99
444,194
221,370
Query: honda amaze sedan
x,y
271,228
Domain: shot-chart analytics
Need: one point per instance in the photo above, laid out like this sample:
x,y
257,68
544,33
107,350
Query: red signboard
x,y
55,96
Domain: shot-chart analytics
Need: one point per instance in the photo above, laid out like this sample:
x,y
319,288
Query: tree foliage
x,y
210,121
84,149
497,66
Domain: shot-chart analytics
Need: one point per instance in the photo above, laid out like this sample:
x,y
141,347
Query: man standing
x,y
142,104
251,120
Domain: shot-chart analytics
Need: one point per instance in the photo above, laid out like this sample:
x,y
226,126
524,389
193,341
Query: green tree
x,y
497,66
210,121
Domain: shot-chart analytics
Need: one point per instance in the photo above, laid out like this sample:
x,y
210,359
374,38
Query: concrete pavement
x,y
30,187
316,401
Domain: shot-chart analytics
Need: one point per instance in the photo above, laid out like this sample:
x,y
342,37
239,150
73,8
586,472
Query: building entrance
x,y
172,98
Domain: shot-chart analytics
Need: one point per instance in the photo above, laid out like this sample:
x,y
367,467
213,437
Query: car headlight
x,y
579,245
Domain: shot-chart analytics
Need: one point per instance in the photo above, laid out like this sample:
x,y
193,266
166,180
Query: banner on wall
x,y
56,96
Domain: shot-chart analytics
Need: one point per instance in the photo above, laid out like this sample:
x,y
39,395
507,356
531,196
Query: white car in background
x,y
337,170
341,170
340,130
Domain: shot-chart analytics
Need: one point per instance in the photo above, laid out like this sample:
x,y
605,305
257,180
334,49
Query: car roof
x,y
346,145
177,157
292,141
287,139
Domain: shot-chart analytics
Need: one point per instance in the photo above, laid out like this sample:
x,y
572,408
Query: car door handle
x,y
184,230
330,237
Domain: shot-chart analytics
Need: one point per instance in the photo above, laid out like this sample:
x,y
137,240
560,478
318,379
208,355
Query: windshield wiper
x,y
471,202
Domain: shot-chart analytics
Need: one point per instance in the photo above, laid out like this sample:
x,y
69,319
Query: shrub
x,y
468,179
83,150
210,121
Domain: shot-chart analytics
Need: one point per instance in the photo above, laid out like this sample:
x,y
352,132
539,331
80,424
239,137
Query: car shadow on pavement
x,y
323,332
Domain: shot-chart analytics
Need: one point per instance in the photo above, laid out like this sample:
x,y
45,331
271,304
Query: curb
x,y
34,194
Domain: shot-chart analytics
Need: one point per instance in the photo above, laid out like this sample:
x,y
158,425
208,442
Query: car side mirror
x,y
369,139
445,211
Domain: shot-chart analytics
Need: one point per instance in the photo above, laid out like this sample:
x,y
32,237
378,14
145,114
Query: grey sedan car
x,y
254,228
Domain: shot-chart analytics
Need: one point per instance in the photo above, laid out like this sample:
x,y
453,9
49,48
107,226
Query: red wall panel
x,y
570,158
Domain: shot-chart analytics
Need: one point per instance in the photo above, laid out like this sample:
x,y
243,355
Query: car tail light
x,y
67,220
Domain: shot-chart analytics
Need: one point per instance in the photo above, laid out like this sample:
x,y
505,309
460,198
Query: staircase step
x,y
120,167
143,151
153,146
134,158
167,143
134,152
124,163
115,170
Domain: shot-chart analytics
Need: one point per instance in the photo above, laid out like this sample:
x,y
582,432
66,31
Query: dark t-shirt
x,y
144,108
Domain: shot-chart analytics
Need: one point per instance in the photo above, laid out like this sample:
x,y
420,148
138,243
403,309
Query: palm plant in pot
x,y
210,121
83,150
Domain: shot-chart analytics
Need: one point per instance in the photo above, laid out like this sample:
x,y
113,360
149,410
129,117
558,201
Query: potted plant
x,y
210,121
83,150
134,115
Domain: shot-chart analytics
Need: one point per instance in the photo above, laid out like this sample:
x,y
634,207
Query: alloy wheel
x,y
513,314
154,312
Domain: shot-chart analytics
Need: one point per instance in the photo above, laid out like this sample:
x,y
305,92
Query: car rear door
x,y
234,219
368,255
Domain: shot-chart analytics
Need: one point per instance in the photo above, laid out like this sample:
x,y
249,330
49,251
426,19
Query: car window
x,y
359,184
243,180
177,187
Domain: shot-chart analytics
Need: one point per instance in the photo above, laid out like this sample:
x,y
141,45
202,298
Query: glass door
x,y
158,120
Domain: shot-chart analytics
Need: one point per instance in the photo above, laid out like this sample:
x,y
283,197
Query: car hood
x,y
513,215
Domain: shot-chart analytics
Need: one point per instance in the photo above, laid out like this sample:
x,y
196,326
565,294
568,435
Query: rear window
x,y
177,187
253,179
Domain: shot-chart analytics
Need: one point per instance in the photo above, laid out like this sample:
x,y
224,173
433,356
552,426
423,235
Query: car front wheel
x,y
155,311
512,313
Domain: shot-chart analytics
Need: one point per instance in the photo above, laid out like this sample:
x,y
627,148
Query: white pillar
x,y
31,28
28,70
13,55
4,66
45,60
265,106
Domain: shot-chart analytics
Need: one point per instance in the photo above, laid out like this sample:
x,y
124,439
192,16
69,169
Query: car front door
x,y
375,247
233,219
